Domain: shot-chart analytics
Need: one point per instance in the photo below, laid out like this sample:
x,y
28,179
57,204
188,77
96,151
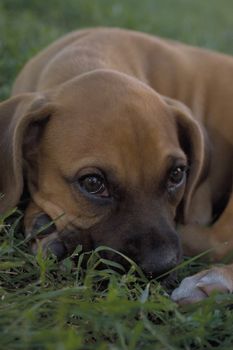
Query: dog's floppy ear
x,y
17,115
192,140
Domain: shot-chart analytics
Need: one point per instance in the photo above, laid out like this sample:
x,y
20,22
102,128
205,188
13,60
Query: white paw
x,y
200,286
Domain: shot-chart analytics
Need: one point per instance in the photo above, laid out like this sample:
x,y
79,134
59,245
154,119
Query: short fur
x,y
131,105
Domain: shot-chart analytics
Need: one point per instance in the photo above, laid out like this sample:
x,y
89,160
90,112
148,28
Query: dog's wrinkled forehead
x,y
106,117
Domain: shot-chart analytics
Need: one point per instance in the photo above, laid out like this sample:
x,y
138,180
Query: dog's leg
x,y
42,231
219,239
201,285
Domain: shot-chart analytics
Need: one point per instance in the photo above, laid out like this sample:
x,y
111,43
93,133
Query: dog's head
x,y
109,156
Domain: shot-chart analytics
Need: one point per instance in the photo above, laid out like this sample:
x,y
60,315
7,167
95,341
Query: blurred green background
x,y
28,25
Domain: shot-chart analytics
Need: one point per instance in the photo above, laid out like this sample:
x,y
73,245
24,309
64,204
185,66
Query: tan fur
x,y
128,78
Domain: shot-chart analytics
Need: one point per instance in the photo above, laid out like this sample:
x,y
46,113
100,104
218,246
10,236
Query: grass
x,y
46,305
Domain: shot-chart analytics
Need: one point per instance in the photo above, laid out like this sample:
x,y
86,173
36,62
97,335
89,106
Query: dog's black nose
x,y
159,264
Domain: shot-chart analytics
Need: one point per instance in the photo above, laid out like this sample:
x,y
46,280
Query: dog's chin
x,y
60,250
168,281
65,243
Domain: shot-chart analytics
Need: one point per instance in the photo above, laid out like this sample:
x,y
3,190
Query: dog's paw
x,y
200,286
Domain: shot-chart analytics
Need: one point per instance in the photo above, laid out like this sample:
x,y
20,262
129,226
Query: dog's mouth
x,y
154,263
122,264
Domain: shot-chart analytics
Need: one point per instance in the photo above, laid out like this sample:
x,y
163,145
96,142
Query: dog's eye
x,y
94,184
176,177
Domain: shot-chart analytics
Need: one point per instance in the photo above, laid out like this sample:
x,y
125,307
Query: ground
x,y
46,305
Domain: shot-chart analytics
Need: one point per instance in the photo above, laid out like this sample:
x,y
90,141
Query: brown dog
x,y
120,137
